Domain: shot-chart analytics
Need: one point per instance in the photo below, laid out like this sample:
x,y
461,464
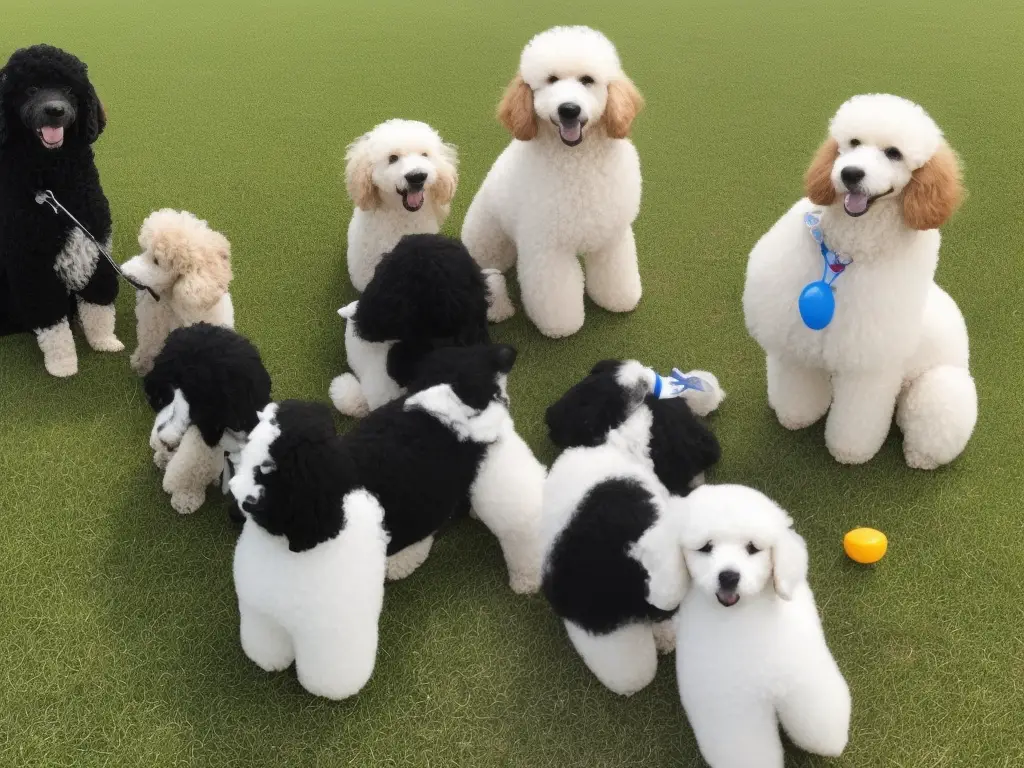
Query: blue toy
x,y
817,304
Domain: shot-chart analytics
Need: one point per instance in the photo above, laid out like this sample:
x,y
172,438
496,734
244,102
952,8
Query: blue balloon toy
x,y
817,304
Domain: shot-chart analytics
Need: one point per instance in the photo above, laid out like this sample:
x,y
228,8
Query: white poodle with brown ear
x,y
750,650
568,184
188,265
841,292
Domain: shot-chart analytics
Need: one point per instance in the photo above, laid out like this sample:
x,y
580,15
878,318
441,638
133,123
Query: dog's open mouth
x,y
727,598
857,203
52,137
570,131
412,199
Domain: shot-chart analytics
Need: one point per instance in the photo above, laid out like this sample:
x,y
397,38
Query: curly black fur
x,y
590,578
220,375
33,295
304,491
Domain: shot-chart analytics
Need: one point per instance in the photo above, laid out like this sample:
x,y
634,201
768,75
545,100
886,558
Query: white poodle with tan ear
x,y
841,292
401,177
188,265
750,650
567,186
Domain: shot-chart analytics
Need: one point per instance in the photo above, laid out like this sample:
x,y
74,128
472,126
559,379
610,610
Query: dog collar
x,y
817,304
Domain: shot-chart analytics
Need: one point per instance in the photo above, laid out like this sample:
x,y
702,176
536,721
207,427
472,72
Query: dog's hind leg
x,y
194,466
264,641
625,660
937,414
507,496
347,395
613,276
407,560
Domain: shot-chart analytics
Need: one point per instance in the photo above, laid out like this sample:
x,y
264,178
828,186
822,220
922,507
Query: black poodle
x,y
49,270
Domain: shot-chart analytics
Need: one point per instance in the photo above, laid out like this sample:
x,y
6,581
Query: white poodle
x,y
890,338
309,563
568,184
750,650
188,265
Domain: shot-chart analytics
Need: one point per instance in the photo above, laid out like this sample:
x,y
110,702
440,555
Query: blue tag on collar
x,y
817,305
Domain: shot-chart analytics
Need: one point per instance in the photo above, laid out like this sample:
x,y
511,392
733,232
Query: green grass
x,y
118,629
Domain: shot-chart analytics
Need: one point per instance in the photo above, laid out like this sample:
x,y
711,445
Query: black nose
x,y
568,111
54,110
416,179
728,579
851,175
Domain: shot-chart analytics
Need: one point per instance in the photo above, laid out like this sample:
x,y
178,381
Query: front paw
x,y
62,366
524,583
162,458
141,364
185,503
107,344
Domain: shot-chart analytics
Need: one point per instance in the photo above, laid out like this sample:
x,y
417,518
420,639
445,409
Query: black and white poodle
x,y
631,445
309,564
207,386
49,270
447,447
426,293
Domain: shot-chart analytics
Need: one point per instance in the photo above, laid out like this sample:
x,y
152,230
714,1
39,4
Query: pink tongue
x,y
856,202
53,135
570,132
414,199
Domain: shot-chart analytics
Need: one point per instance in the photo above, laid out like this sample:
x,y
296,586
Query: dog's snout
x,y
54,109
851,175
729,579
569,111
416,178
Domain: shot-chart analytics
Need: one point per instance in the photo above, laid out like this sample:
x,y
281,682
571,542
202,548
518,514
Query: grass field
x,y
118,628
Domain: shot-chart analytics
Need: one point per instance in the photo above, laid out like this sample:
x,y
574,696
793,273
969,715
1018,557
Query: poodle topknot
x,y
50,270
606,517
188,265
427,293
893,341
207,386
750,650
401,177
309,564
568,185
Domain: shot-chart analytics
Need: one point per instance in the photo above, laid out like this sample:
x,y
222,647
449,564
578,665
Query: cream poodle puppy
x,y
841,292
188,265
567,185
750,649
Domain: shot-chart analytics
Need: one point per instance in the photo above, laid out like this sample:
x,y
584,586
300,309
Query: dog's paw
x,y
162,458
185,503
918,460
106,344
61,366
141,364
664,636
347,395
524,583
499,306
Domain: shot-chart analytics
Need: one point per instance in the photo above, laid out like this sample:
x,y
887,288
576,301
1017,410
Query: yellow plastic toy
x,y
865,545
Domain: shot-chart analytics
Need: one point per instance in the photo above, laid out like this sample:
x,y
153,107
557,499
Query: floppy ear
x,y
202,284
359,175
789,563
935,191
585,414
659,553
447,175
95,116
515,110
624,102
818,179
681,447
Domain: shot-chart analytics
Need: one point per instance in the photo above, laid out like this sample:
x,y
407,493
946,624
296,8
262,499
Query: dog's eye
x,y
706,549
553,79
854,142
751,549
31,90
392,159
587,80
426,155
893,154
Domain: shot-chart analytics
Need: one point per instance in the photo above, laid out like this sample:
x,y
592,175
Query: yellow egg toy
x,y
865,545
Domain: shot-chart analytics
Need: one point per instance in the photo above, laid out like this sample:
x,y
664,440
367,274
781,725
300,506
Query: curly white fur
x,y
188,265
897,341
378,167
543,203
761,660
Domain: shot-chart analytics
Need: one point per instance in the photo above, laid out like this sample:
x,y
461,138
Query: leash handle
x,y
46,197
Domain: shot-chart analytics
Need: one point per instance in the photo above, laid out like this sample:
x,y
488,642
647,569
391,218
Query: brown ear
x,y
516,110
624,102
359,176
934,192
818,179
